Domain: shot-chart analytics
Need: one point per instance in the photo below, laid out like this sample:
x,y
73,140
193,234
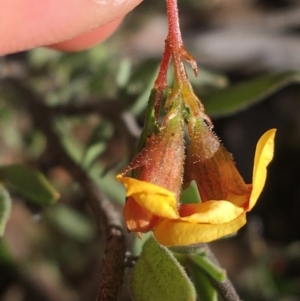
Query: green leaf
x,y
208,266
97,143
124,72
204,288
207,81
71,223
113,189
239,97
5,208
5,254
157,276
148,76
110,187
29,182
190,195
199,248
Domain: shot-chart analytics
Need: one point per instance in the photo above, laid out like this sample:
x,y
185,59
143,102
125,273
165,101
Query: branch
x,y
225,289
108,219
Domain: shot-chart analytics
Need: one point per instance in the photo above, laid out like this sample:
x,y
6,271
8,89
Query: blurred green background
x,y
248,55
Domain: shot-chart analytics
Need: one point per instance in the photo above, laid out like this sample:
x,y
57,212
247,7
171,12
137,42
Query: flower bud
x,y
160,163
212,167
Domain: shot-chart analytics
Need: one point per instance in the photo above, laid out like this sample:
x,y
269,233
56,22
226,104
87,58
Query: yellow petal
x,y
263,156
157,200
179,233
137,218
210,212
242,199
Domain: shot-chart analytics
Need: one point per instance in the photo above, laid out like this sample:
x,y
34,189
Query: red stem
x,y
174,36
173,49
174,41
161,81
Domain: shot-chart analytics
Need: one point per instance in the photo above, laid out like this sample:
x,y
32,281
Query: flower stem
x,y
173,50
182,88
174,41
174,35
161,81
182,92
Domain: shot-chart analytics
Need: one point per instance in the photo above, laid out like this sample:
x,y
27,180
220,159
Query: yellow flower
x,y
159,167
186,224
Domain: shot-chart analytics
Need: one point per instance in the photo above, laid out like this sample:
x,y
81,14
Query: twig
x,y
225,289
107,217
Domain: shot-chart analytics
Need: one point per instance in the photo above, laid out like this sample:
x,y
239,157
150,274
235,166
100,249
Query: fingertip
x,y
28,24
88,40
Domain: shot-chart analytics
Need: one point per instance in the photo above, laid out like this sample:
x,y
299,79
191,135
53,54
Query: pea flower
x,y
159,167
225,198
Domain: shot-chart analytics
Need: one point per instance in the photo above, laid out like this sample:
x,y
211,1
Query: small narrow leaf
x,y
190,249
190,195
207,81
71,223
146,72
157,276
239,97
124,72
97,143
208,266
204,288
5,254
5,208
29,182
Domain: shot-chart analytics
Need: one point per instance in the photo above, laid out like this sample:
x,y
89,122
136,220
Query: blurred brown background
x,y
237,40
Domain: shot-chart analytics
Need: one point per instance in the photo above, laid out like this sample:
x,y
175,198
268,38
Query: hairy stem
x,y
225,289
